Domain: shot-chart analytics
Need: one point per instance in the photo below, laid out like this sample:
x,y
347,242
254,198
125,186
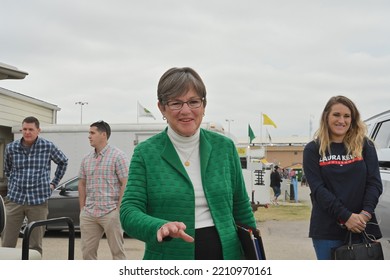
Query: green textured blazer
x,y
159,191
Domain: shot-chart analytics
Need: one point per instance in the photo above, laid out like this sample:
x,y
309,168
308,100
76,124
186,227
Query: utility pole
x,y
81,103
229,121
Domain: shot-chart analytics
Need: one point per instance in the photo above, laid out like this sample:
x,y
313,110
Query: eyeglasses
x,y
192,104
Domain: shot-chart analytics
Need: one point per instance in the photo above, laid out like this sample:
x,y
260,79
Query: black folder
x,y
251,242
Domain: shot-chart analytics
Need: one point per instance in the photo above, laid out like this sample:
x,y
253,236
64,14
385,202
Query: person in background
x,y
275,184
27,166
303,180
292,174
102,180
285,173
186,190
342,171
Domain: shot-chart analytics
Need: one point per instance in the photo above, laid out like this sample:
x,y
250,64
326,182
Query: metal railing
x,y
30,227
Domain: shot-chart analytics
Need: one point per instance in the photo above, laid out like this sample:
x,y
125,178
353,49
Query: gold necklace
x,y
187,162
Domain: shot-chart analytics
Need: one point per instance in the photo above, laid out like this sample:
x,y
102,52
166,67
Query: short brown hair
x,y
177,82
31,119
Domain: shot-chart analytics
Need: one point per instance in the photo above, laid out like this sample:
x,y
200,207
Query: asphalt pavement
x,y
283,240
288,240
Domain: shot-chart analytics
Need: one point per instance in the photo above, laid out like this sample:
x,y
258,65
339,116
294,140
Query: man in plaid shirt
x,y
27,165
102,180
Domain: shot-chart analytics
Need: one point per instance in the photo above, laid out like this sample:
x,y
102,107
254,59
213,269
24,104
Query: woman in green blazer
x,y
185,191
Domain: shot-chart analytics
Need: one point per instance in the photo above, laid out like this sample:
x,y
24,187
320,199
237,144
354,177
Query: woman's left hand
x,y
356,223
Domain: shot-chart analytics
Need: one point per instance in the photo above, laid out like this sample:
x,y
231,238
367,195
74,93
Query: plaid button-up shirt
x,y
102,173
28,170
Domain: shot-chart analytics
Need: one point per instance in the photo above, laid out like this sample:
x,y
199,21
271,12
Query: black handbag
x,y
366,250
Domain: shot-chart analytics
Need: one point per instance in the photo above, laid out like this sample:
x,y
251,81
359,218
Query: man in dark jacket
x,y
275,184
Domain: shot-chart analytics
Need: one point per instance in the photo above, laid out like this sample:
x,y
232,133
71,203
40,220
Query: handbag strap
x,y
364,235
349,239
366,238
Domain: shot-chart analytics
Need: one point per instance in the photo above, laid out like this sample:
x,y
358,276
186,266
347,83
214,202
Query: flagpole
x,y
137,110
261,129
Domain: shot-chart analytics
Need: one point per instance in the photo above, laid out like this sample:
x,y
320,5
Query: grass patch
x,y
284,212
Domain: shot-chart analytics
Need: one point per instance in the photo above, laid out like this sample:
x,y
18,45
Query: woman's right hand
x,y
174,230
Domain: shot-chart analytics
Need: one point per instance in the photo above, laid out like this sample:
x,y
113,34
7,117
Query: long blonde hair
x,y
356,134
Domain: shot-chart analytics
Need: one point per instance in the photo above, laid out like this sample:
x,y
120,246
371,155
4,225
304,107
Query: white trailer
x,y
73,139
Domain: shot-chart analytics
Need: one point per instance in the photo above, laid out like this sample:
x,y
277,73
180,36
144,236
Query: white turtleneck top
x,y
188,150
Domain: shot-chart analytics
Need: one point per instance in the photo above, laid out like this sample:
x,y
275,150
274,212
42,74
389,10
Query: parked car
x,y
379,131
64,202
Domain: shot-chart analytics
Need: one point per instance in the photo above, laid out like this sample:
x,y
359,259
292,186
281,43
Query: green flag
x,y
250,134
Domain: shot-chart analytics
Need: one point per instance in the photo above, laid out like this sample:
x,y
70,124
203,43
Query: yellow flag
x,y
268,121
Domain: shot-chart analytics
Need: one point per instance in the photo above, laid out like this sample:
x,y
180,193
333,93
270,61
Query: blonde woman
x,y
342,170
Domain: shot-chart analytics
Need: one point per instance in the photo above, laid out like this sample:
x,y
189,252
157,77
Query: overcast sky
x,y
279,57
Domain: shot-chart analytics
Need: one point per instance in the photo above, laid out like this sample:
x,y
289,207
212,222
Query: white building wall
x,y
13,111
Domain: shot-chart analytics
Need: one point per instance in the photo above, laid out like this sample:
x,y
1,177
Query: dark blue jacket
x,y
275,179
341,185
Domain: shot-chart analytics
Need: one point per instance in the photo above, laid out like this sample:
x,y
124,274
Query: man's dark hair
x,y
31,120
102,126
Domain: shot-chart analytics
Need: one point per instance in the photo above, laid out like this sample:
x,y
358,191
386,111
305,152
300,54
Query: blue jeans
x,y
276,190
323,248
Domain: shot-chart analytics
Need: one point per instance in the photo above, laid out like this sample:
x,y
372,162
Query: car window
x,y
72,185
382,135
